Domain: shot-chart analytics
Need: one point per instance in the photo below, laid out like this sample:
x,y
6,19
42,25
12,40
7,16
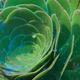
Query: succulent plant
x,y
39,39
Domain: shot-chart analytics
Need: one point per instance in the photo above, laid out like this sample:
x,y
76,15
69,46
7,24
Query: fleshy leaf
x,y
66,5
40,3
65,25
74,5
69,75
63,59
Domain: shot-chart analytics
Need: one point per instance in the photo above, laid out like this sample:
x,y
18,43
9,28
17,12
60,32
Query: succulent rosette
x,y
36,39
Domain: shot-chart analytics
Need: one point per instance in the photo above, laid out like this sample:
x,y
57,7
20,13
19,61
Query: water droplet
x,y
54,50
44,69
70,60
67,44
36,48
33,35
63,62
61,49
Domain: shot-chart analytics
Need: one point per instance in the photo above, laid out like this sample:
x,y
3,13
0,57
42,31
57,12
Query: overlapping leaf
x,y
36,39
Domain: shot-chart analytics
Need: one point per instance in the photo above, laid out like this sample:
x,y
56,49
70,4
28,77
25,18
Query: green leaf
x,y
64,20
56,31
2,77
71,74
6,12
76,32
32,7
76,24
73,67
66,5
47,74
63,59
40,3
74,5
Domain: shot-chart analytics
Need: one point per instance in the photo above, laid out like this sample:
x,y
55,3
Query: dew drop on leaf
x,y
33,35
